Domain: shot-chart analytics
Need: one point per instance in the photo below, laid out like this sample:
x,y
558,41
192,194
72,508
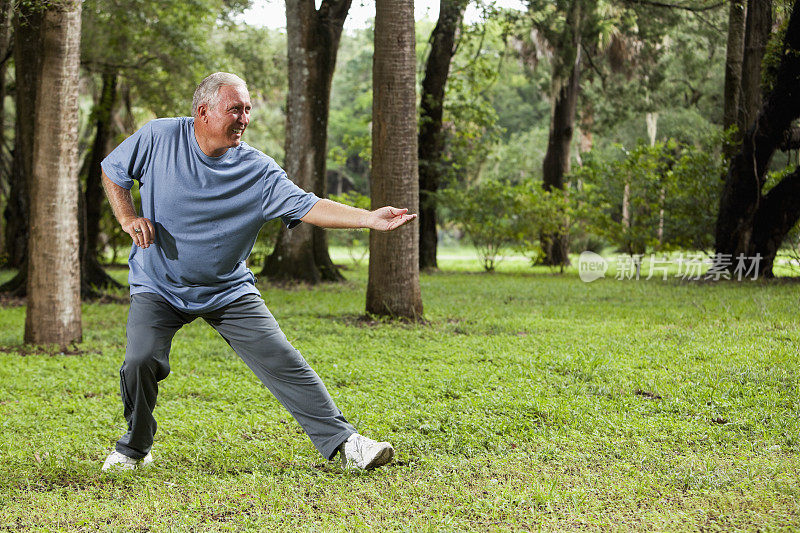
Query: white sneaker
x,y
360,453
120,461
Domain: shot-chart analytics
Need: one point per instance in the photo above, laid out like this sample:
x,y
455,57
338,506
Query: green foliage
x,y
693,66
470,116
791,248
258,55
519,158
666,184
161,49
349,134
470,106
473,130
520,100
553,26
687,126
773,53
653,60
352,198
499,215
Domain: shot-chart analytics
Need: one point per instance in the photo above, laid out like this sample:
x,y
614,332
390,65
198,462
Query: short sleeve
x,y
128,161
284,199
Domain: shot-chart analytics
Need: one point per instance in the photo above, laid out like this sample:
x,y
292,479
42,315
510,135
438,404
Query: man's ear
x,y
202,112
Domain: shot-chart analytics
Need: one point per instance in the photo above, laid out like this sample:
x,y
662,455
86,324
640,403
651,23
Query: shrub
x,y
497,215
673,194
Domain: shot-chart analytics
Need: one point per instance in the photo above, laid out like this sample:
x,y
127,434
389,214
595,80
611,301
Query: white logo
x,y
591,266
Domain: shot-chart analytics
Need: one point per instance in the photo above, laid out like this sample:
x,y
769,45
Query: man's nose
x,y
244,119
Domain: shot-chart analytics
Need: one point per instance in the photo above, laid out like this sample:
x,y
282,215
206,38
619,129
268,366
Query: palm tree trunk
x,y
393,286
54,304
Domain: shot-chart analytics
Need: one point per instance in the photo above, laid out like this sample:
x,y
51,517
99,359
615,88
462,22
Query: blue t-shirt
x,y
206,211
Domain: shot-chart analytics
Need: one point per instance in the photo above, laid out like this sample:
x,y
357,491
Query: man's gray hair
x,y
207,93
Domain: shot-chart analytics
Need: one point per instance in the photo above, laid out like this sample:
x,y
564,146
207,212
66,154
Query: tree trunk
x,y
733,70
749,222
757,30
778,214
557,158
6,17
393,286
626,209
651,119
54,304
564,86
313,42
27,63
431,137
92,273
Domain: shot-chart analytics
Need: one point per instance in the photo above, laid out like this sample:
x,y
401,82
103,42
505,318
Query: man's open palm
x,y
388,218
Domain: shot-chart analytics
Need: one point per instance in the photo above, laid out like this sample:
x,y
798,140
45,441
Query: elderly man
x,y
204,196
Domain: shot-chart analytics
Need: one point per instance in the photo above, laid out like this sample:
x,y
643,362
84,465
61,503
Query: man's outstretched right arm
x,y
139,228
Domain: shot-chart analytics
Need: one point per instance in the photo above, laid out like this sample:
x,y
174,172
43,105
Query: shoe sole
x,y
381,458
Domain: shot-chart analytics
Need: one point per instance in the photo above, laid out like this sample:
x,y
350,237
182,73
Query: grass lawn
x,y
530,400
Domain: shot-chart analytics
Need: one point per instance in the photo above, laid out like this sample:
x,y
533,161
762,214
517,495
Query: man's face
x,y
226,122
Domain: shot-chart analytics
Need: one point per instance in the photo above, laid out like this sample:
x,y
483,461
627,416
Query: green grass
x,y
529,401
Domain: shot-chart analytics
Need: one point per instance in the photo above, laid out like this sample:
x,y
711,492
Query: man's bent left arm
x,y
329,214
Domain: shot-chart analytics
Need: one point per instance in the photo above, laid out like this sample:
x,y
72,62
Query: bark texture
x,y
313,36
751,222
393,286
54,304
733,69
27,63
431,137
757,30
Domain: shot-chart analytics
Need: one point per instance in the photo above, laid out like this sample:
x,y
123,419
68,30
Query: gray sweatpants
x,y
248,326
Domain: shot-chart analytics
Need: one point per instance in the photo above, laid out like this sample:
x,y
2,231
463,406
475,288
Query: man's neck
x,y
205,146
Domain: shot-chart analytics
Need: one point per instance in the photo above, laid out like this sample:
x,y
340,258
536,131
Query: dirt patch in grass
x,y
647,394
369,321
48,349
